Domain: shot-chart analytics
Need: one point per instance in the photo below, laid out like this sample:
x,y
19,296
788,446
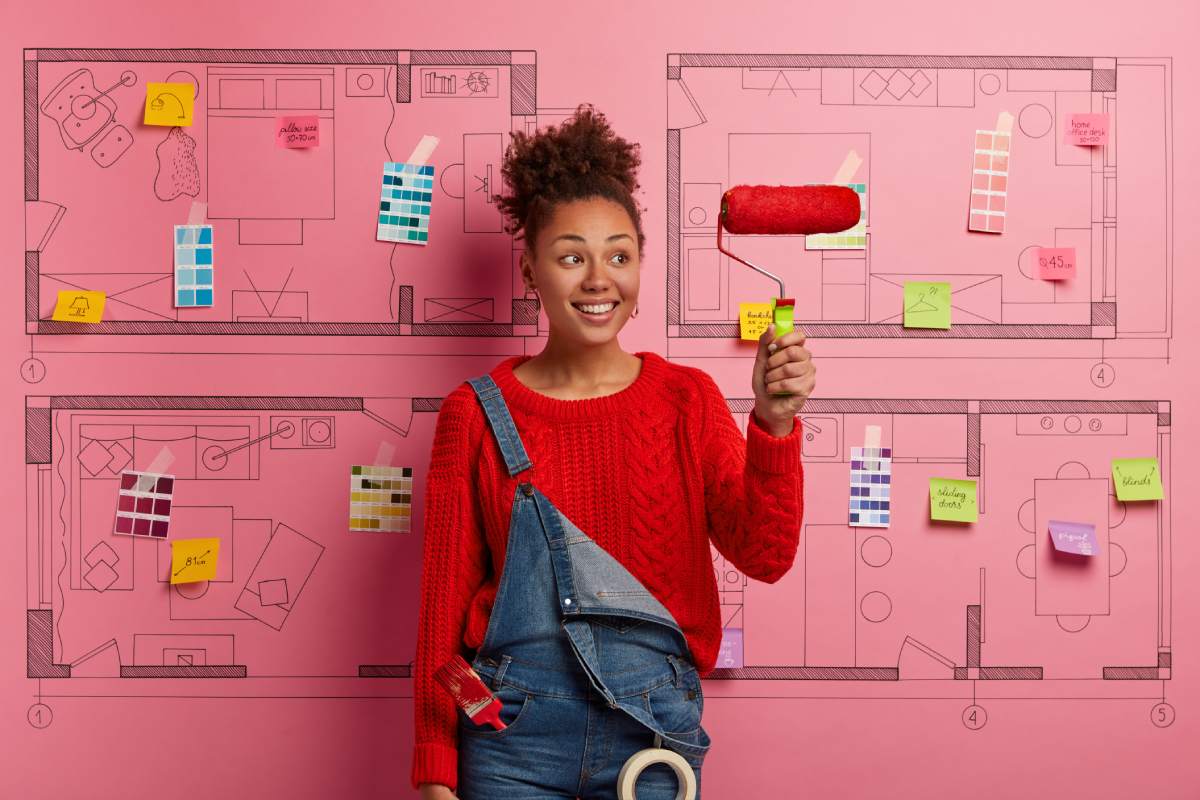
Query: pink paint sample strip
x,y
1074,537
298,132
1087,130
1056,263
989,178
144,504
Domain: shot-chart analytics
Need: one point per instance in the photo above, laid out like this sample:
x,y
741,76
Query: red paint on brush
x,y
470,692
790,209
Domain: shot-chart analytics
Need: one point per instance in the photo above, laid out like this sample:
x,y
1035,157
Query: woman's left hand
x,y
786,367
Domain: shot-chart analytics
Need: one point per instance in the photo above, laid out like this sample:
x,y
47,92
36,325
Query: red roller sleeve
x,y
789,209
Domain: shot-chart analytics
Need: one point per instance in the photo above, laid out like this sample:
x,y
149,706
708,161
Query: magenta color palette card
x,y
1056,263
1088,130
298,132
144,504
732,653
1074,537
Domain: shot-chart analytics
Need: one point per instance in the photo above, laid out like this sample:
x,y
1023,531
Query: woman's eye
x,y
567,259
624,259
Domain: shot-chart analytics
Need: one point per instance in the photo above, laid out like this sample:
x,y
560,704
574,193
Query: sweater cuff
x,y
434,763
769,453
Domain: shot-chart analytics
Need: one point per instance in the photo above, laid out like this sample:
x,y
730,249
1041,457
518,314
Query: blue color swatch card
x,y
193,266
870,487
404,203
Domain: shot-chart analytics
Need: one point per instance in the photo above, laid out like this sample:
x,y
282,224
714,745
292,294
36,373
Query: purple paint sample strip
x,y
870,487
731,655
1074,537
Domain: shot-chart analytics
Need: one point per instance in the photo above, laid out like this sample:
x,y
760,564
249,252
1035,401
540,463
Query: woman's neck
x,y
571,372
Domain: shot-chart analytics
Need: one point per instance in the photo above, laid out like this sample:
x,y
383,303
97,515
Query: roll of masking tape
x,y
627,780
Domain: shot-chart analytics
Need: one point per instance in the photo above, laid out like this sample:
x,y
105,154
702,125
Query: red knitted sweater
x,y
652,473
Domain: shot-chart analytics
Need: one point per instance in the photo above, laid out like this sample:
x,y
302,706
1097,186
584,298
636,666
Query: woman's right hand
x,y
437,791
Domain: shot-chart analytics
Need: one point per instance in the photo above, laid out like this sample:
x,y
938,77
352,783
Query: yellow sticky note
x,y
169,104
194,560
953,500
1137,479
74,306
755,317
926,305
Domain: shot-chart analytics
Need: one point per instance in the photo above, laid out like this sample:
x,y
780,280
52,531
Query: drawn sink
x,y
821,437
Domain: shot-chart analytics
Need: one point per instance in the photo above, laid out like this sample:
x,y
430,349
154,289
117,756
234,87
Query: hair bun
x,y
581,157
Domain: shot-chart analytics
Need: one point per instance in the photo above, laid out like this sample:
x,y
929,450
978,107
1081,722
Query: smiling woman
x,y
571,501
572,203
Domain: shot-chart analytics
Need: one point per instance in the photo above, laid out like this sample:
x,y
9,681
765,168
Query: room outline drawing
x,y
759,114
968,646
236,88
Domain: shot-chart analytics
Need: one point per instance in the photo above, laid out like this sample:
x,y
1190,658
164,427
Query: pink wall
x,y
867,668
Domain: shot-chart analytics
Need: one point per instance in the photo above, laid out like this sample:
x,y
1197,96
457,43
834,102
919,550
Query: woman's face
x,y
586,257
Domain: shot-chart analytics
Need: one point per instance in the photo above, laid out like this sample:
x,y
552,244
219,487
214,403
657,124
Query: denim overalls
x,y
589,665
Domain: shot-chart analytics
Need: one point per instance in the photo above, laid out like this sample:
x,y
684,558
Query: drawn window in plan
x,y
294,242
859,605
254,473
793,119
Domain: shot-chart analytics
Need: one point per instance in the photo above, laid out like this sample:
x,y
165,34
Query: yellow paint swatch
x,y
77,306
754,317
169,104
953,500
194,560
1137,479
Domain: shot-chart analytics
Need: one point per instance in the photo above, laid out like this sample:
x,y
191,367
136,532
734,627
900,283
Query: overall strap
x,y
502,424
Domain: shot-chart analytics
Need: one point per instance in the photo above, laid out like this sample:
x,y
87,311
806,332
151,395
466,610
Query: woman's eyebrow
x,y
575,237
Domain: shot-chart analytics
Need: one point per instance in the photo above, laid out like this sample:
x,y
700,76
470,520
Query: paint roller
x,y
785,210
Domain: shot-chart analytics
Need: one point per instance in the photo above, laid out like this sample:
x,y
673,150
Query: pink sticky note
x,y
1056,263
1074,537
302,131
1087,129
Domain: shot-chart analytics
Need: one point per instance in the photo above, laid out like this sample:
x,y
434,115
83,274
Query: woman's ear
x,y
527,270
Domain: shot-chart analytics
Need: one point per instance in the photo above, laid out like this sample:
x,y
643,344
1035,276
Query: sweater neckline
x,y
643,388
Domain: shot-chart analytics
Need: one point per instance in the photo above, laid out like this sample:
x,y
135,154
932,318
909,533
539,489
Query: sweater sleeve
x,y
753,489
454,564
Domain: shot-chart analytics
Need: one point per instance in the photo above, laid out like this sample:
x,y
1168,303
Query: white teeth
x,y
600,309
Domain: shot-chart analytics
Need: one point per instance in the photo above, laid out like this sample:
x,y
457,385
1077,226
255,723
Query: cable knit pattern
x,y
653,473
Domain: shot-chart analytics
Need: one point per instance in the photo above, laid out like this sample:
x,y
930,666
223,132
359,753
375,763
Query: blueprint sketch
x,y
756,118
295,414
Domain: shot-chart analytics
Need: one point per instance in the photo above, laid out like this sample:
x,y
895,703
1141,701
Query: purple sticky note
x,y
730,655
1074,537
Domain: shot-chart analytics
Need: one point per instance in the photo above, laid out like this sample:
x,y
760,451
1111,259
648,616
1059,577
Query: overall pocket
x,y
677,709
515,706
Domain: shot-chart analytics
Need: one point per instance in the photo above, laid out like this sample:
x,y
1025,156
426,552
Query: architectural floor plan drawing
x,y
290,598
293,229
910,124
856,610
859,608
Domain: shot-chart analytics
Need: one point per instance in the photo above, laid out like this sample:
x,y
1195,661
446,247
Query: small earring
x,y
635,311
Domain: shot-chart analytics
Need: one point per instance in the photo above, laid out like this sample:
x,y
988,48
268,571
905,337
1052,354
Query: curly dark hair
x,y
576,160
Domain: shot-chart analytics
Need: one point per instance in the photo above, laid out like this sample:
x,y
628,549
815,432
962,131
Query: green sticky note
x,y
953,500
1137,479
926,305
